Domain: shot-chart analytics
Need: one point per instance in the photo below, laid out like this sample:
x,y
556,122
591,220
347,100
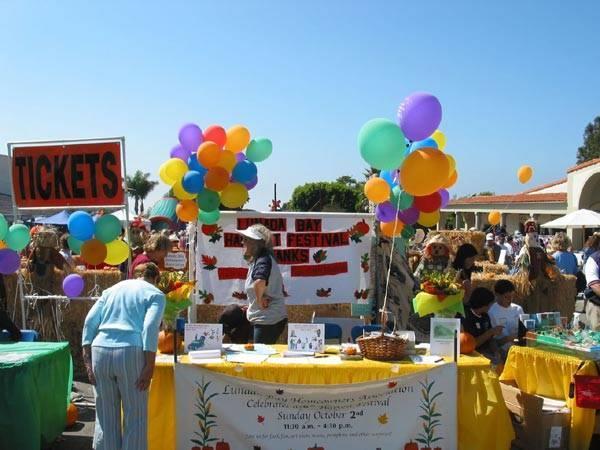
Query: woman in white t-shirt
x,y
506,314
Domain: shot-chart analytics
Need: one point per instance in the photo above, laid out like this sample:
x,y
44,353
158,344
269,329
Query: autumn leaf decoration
x,y
206,419
206,297
239,295
364,262
361,294
209,262
359,230
322,292
430,417
320,256
383,419
215,234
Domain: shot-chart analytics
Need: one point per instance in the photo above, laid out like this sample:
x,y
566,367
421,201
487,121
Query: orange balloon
x,y
238,138
424,171
429,219
377,190
209,154
525,173
93,252
451,164
387,228
187,210
216,179
451,180
227,160
494,217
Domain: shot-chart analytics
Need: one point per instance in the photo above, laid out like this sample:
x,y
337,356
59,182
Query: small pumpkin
x,y
467,343
222,445
165,342
411,446
72,415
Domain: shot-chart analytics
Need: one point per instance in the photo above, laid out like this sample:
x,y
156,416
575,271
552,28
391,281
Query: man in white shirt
x,y
506,246
505,313
592,277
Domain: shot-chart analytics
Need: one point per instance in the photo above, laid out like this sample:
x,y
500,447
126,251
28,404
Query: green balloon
x,y
107,228
382,144
74,244
17,237
408,231
209,217
400,199
259,149
3,227
208,200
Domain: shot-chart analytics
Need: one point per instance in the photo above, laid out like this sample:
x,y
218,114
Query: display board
x,y
323,257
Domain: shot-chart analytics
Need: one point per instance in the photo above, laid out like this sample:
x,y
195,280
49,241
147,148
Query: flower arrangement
x,y
440,294
440,283
177,290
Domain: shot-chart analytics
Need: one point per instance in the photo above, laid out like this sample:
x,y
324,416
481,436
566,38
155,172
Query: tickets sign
x,y
68,175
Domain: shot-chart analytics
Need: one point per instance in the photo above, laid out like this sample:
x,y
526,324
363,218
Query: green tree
x,y
326,196
591,142
139,186
486,194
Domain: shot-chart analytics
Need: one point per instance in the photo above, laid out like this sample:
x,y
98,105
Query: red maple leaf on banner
x,y
209,262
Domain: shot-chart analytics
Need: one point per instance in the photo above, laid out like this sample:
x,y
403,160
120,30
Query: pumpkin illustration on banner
x,y
415,172
211,168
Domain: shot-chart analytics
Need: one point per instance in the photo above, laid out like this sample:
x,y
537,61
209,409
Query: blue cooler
x,y
29,335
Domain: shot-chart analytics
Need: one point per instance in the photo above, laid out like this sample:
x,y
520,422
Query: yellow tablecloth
x,y
483,420
549,374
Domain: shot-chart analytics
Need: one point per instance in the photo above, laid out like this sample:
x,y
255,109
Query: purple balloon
x,y
419,115
240,156
385,212
251,184
10,261
73,285
190,137
179,152
409,216
445,197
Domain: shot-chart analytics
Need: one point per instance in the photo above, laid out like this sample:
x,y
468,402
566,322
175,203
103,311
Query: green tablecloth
x,y
35,385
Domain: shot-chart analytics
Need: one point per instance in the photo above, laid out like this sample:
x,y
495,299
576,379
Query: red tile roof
x,y
558,197
589,163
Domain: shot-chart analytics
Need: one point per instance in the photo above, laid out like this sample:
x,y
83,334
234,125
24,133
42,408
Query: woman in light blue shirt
x,y
566,261
119,341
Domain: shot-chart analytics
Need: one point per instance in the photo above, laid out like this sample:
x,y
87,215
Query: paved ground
x,y
79,437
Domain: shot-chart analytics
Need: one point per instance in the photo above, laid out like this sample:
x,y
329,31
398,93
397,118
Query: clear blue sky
x,y
518,80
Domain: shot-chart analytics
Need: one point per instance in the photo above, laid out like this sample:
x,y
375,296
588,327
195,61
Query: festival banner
x,y
323,257
67,175
219,411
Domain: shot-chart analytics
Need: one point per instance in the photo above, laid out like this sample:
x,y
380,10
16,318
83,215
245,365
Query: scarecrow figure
x,y
532,258
436,255
44,256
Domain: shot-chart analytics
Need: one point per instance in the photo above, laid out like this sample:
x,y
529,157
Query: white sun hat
x,y
256,232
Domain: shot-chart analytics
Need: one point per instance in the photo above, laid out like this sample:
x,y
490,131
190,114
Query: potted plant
x,y
177,292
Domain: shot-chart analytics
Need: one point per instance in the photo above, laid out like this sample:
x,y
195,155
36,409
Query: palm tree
x,y
139,186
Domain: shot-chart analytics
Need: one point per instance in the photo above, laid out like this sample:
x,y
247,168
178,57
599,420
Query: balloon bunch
x,y
97,242
209,168
415,172
13,239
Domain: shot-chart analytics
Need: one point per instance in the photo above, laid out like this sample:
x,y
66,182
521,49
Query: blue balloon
x,y
244,171
194,164
193,182
425,143
81,226
390,176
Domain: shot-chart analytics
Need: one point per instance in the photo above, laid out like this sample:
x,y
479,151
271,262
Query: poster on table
x,y
67,174
324,257
388,414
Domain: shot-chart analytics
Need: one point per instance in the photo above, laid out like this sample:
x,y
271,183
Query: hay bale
x,y
489,267
457,238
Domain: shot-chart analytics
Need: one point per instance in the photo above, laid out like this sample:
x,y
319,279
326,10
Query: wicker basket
x,y
382,347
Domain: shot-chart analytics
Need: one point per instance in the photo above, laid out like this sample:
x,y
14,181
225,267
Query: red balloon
x,y
216,134
428,203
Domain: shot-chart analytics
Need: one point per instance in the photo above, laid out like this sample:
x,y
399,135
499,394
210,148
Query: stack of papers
x,y
295,354
246,358
205,354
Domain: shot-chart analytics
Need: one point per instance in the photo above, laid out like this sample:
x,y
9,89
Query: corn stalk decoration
x,y
430,416
206,420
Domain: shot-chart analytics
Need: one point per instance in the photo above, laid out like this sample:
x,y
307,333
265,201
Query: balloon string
x,y
389,269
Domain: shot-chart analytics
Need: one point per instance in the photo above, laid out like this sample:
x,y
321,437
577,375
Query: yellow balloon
x,y
238,138
494,217
451,163
117,252
424,171
377,190
181,193
2,244
391,229
525,173
440,138
227,160
172,171
429,219
234,195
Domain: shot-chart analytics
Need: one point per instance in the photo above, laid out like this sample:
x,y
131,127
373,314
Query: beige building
x,y
579,189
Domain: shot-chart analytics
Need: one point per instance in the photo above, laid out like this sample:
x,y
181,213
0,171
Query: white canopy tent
x,y
582,218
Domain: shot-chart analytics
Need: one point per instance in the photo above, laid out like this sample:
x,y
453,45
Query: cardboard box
x,y
539,423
